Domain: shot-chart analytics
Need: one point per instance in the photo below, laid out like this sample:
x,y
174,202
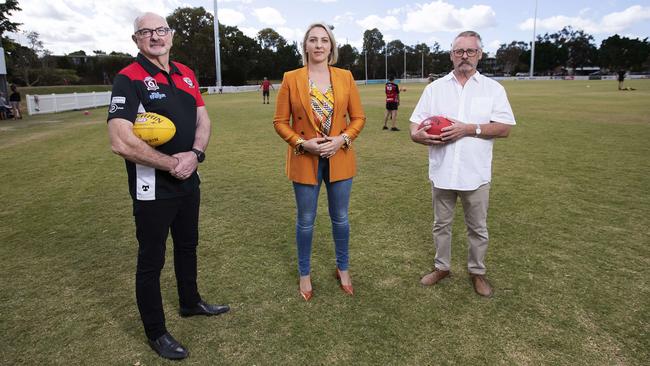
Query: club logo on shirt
x,y
151,83
189,82
145,187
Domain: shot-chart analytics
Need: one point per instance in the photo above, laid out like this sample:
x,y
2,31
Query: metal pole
x,y
386,54
422,62
366,64
532,49
405,62
217,48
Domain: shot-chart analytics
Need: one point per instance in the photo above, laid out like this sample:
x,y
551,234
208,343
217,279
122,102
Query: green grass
x,y
569,255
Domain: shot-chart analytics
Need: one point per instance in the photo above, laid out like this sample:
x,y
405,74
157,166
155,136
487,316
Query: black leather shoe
x,y
167,347
203,308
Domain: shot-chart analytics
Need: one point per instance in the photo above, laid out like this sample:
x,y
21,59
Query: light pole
x,y
532,49
217,48
422,62
386,54
366,65
404,61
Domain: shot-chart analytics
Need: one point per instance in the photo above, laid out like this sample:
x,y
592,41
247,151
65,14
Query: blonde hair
x,y
334,52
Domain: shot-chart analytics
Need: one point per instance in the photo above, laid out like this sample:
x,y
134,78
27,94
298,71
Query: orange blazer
x,y
294,103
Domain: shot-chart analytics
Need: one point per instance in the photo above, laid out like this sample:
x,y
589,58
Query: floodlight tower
x,y
532,49
217,48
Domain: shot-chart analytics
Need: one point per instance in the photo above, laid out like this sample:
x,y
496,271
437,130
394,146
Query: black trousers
x,y
153,222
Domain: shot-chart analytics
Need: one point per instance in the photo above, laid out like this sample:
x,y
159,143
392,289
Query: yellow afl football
x,y
153,128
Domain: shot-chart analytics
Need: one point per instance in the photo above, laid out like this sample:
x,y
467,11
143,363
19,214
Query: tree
x,y
270,39
20,60
194,41
395,50
239,55
441,62
349,59
35,44
580,48
275,55
6,9
415,57
508,56
622,53
373,45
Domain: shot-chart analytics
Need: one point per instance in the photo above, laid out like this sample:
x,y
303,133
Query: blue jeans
x,y
338,199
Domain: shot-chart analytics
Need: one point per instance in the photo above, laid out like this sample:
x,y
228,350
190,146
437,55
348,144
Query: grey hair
x,y
334,52
469,34
139,18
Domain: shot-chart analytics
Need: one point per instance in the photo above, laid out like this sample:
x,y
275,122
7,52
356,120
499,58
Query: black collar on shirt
x,y
153,69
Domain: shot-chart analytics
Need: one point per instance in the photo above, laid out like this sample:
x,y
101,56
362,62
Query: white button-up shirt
x,y
465,164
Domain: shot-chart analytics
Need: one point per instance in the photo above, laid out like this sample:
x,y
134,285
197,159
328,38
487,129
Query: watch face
x,y
200,155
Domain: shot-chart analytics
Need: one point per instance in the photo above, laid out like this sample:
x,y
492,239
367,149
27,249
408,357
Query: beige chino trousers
x,y
475,207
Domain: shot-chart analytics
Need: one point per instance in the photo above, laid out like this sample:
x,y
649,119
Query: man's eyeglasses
x,y
471,52
146,32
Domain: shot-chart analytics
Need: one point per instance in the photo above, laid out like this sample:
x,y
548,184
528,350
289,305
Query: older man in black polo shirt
x,y
163,181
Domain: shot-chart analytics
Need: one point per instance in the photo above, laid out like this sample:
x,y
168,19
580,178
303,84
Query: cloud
x,y
249,31
440,16
65,25
610,23
345,18
291,34
616,22
383,24
269,16
230,17
492,47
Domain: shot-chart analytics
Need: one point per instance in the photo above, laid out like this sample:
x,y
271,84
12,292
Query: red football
x,y
436,123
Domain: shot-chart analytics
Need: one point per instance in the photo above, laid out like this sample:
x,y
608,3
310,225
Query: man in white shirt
x,y
460,158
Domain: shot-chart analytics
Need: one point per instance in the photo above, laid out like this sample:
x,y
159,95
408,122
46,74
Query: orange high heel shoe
x,y
306,295
348,289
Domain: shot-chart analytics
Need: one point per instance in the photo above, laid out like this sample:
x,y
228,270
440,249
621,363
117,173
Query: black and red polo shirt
x,y
144,87
392,92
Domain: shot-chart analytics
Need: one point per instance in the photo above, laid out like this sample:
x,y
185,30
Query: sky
x,y
66,26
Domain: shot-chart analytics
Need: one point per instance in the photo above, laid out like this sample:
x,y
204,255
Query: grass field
x,y
569,255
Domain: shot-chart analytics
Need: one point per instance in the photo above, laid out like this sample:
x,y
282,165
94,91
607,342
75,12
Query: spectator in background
x,y
5,108
392,103
265,86
14,100
621,79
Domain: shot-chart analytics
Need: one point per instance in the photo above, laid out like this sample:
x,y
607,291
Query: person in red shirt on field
x,y
392,102
266,84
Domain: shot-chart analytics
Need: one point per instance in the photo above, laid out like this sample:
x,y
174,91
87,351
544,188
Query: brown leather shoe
x,y
481,285
433,277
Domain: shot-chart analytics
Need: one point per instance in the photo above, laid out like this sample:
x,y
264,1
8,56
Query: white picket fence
x,y
52,103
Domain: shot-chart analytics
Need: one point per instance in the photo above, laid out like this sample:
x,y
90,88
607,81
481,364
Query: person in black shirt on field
x,y
163,181
14,100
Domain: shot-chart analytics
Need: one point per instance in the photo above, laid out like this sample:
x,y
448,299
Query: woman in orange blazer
x,y
318,113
